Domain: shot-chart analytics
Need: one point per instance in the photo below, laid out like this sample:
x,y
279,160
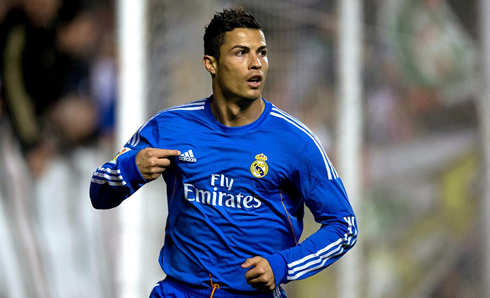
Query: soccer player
x,y
239,172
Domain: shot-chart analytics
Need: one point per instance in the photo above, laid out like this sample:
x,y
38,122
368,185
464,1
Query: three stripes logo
x,y
188,156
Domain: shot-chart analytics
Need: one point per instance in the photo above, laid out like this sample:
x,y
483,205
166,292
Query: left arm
x,y
336,236
325,196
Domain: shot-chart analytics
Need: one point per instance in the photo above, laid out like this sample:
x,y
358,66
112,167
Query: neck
x,y
236,112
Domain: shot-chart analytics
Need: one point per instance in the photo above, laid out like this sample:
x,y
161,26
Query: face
x,y
242,68
41,12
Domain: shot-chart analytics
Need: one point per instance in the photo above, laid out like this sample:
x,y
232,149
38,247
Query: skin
x,y
243,55
152,162
236,102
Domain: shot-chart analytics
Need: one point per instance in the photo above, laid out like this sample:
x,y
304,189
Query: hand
x,y
152,162
261,275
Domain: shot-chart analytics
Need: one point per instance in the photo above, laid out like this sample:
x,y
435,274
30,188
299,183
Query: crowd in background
x,y
58,89
58,74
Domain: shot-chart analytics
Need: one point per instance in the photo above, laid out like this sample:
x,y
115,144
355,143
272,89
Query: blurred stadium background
x,y
414,76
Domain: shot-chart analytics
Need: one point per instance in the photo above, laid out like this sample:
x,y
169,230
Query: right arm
x,y
134,166
116,180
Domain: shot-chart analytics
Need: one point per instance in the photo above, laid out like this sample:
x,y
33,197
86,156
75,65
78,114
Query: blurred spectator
x,y
50,99
103,73
46,47
26,51
74,118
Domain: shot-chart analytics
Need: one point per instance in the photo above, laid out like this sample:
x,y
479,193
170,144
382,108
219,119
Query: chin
x,y
254,95
245,96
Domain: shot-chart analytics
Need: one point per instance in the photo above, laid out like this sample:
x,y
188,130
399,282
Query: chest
x,y
245,163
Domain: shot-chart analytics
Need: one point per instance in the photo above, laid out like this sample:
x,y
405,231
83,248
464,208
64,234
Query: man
x,y
238,172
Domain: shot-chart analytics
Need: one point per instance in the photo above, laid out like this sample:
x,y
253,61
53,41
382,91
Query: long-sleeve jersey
x,y
236,193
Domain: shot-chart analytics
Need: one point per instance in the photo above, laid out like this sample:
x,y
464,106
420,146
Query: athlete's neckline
x,y
236,129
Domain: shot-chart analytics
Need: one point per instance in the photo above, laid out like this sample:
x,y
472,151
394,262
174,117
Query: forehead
x,y
244,37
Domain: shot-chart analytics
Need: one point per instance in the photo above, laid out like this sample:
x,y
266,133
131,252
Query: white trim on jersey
x,y
109,170
98,181
328,165
318,259
111,177
193,106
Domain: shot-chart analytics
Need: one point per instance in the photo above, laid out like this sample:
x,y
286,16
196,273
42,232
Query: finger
x,y
159,153
253,274
256,272
160,163
251,262
262,282
164,153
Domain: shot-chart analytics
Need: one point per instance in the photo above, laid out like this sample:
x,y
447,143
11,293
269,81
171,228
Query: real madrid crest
x,y
259,167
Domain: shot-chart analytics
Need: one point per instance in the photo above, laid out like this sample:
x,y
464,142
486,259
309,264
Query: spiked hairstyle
x,y
225,21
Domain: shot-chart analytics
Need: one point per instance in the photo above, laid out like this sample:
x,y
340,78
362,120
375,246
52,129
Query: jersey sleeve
x,y
326,198
119,178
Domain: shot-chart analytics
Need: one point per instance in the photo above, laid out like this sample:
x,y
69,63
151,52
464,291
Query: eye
x,y
263,53
240,53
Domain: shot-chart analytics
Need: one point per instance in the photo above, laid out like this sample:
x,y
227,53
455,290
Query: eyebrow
x,y
248,48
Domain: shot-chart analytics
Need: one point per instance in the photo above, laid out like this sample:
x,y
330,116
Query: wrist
x,y
130,171
279,267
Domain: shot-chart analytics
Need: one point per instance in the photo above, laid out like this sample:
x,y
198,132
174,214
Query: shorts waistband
x,y
219,293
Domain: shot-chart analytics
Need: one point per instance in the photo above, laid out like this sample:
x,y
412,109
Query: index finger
x,y
164,153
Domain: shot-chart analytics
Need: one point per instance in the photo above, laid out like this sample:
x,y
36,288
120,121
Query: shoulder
x,y
305,140
174,115
176,118
191,109
296,133
287,123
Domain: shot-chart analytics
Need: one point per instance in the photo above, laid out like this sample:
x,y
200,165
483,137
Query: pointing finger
x,y
162,153
169,152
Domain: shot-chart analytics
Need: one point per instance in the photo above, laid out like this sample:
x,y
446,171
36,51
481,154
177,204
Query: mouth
x,y
254,81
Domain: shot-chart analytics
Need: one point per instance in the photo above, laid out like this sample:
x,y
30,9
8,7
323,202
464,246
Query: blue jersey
x,y
236,193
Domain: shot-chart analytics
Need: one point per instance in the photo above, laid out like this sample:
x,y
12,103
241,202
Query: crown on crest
x,y
261,156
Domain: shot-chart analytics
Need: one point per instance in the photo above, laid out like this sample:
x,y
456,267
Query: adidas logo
x,y
188,156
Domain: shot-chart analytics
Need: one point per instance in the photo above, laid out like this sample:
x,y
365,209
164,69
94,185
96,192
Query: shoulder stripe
x,y
192,106
332,173
188,109
197,105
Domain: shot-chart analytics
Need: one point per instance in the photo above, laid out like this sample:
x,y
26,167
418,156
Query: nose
x,y
255,63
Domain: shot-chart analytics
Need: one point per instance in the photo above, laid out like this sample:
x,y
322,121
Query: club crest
x,y
259,167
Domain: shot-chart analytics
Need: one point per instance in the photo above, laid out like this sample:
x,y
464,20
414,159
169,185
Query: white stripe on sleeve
x,y
318,259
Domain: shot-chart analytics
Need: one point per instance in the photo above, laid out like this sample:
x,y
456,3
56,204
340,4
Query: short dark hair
x,y
225,21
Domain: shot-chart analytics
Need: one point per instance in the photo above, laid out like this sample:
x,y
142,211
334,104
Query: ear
x,y
210,64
